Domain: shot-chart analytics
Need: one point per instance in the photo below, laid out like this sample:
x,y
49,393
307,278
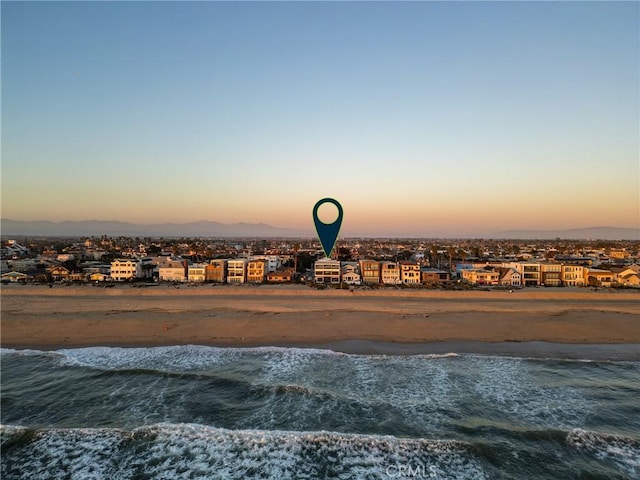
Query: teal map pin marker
x,y
327,232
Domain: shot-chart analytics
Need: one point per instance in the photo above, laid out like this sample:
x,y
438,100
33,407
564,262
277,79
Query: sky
x,y
420,118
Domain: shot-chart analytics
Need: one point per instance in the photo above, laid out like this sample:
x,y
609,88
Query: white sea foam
x,y
175,358
623,452
508,383
411,390
174,451
26,352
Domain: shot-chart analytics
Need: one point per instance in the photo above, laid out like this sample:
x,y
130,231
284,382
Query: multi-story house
x,y
530,271
409,273
619,254
326,270
273,262
390,273
350,274
509,277
216,271
257,271
173,271
573,275
370,271
58,273
433,276
237,270
197,272
128,269
599,278
551,274
478,276
627,276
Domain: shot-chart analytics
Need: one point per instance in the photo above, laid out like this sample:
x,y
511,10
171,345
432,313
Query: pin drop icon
x,y
327,232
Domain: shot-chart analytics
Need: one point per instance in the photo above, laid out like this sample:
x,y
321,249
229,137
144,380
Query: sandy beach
x,y
75,316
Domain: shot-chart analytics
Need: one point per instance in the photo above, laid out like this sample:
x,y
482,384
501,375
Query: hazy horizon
x,y
454,118
204,228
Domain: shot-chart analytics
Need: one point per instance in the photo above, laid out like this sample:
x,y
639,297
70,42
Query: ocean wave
x,y
422,392
178,357
624,452
177,450
26,352
510,386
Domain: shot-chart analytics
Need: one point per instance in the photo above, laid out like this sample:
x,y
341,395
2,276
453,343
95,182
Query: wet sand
x,y
76,316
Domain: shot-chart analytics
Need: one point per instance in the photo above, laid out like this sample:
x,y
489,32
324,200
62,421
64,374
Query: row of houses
x,y
368,272
521,274
239,270
513,274
269,269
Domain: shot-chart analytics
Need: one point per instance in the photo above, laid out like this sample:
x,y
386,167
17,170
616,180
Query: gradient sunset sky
x,y
421,118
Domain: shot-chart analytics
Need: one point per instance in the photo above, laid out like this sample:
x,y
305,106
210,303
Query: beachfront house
x,y
509,277
350,274
389,273
551,274
282,275
196,272
125,269
173,271
216,271
599,278
326,270
573,275
237,270
479,276
409,273
257,270
433,276
370,271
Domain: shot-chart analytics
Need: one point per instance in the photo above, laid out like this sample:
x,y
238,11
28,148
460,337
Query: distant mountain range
x,y
260,230
113,228
599,233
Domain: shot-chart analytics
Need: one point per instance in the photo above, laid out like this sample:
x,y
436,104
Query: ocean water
x,y
195,412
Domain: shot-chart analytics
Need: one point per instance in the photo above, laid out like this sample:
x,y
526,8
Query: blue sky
x,y
422,118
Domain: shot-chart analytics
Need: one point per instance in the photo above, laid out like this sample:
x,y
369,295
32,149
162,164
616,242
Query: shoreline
x,y
522,350
396,321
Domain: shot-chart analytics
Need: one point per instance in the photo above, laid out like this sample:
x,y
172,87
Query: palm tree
x,y
296,247
451,252
434,254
